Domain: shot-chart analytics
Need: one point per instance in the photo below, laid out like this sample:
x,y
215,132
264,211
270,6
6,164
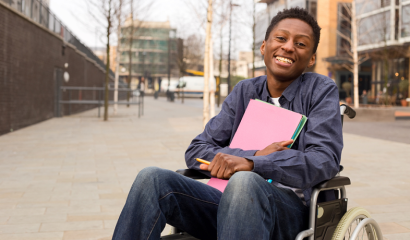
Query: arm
x,y
318,157
217,134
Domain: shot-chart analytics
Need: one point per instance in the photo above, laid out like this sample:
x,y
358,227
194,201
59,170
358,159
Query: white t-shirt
x,y
298,191
275,101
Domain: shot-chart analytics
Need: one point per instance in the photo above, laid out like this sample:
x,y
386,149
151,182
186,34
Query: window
x,y
374,29
405,21
343,45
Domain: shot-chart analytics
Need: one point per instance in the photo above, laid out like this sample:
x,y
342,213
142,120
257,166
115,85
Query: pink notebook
x,y
261,125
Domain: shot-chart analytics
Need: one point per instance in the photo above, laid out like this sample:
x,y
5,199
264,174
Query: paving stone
x,y
19,228
71,226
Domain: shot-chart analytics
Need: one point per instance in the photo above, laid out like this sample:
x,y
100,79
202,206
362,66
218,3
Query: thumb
x,y
286,143
203,167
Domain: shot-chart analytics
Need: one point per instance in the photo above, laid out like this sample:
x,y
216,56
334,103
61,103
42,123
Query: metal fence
x,y
40,13
136,98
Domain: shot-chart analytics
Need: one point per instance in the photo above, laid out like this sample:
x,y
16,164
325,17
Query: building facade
x,y
384,35
153,49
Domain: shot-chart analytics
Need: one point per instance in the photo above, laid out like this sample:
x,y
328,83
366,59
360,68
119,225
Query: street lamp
x,y
229,52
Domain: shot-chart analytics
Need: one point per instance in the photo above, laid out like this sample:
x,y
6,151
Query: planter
x,y
403,102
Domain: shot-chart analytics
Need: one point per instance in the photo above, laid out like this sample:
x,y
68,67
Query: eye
x,y
280,38
301,44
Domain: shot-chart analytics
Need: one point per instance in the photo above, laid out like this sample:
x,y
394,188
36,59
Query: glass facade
x,y
374,29
365,6
149,52
405,21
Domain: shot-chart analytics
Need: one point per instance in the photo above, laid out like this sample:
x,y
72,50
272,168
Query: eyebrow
x,y
298,35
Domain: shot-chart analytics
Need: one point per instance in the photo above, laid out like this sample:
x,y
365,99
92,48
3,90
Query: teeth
x,y
285,60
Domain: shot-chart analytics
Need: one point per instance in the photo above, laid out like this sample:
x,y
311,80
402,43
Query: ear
x,y
262,48
312,61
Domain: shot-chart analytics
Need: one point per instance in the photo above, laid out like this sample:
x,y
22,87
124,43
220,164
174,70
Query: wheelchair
x,y
327,220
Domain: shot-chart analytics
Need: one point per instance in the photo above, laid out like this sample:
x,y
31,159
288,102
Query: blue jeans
x,y
249,208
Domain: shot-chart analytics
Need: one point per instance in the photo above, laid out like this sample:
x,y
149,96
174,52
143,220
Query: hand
x,y
223,165
274,147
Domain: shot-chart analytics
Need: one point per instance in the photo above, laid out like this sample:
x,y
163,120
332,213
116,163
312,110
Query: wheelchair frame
x,y
336,183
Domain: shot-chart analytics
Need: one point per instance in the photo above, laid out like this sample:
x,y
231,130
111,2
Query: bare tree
x,y
137,11
104,12
363,30
208,41
131,40
190,54
349,45
119,15
254,39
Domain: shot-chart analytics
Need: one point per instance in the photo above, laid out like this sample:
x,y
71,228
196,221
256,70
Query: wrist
x,y
251,164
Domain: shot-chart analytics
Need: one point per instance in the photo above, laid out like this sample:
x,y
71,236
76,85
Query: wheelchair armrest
x,y
348,111
333,183
192,173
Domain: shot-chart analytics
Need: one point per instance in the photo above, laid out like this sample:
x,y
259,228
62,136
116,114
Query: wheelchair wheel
x,y
350,221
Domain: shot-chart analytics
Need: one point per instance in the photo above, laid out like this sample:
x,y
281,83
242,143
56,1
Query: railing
x,y
40,13
136,98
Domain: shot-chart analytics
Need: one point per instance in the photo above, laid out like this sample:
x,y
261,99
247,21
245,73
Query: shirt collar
x,y
289,92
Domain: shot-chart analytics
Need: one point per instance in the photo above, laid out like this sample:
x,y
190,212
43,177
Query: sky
x,y
187,16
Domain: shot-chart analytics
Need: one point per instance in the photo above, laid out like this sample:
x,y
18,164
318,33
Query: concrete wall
x,y
29,55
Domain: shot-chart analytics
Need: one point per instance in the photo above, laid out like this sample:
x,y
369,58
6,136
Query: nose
x,y
288,46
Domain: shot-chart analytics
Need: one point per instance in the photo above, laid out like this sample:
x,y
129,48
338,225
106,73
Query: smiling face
x,y
288,50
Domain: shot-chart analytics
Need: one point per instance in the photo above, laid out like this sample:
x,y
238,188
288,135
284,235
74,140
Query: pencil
x,y
203,161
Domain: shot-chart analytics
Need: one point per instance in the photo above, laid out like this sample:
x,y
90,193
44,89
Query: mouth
x,y
284,60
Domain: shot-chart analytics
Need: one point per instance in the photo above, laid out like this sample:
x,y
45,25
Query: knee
x,y
146,180
242,182
147,174
147,177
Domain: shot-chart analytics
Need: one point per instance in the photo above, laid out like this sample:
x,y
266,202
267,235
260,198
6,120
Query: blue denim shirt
x,y
315,155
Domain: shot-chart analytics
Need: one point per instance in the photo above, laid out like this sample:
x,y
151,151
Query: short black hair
x,y
298,13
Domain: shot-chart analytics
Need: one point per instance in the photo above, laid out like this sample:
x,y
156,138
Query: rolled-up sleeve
x,y
321,142
217,134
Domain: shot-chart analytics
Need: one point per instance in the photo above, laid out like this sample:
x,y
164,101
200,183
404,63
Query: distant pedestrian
x,y
142,87
364,97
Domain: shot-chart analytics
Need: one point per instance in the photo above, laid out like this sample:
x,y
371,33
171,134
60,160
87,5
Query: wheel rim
x,y
366,232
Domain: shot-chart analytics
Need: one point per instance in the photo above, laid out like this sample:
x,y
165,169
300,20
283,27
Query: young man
x,y
250,207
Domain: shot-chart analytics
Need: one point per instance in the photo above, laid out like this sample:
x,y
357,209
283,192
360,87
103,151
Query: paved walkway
x,y
68,178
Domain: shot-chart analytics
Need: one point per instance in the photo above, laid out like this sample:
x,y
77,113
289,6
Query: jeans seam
x,y
186,196
149,235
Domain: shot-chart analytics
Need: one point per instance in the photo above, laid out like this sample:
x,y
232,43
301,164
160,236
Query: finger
x,y
211,165
203,167
221,170
286,143
228,174
215,168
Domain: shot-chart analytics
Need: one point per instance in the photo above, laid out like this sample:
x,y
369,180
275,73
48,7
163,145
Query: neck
x,y
276,87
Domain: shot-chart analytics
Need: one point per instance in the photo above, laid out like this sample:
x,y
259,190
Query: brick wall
x,y
29,55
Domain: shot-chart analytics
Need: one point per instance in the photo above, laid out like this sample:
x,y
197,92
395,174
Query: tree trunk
x,y
117,72
211,80
206,64
117,58
107,67
355,57
254,39
130,52
218,86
